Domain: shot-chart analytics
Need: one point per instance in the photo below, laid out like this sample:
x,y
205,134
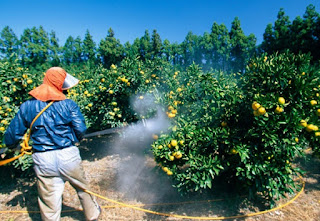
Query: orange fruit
x,y
178,155
303,123
224,124
278,110
313,102
234,151
165,169
174,143
262,111
281,100
255,105
171,115
311,127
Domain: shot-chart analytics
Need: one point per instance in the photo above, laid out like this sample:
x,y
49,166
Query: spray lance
x,y
138,106
143,105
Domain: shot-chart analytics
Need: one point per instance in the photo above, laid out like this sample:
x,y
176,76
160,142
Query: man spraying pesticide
x,y
56,125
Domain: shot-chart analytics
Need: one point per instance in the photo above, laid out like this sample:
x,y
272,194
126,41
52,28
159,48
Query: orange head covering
x,y
51,88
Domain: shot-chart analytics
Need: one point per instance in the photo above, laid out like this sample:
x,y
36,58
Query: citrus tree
x,y
281,94
248,129
105,95
203,108
16,83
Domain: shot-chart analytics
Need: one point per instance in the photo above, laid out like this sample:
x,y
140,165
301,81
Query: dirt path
x,y
125,171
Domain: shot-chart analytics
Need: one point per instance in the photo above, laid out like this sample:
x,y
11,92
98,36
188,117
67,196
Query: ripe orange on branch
x,y
303,123
262,111
171,115
255,105
311,127
278,110
313,102
174,143
281,100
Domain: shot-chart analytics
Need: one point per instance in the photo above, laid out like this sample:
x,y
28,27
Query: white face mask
x,y
69,82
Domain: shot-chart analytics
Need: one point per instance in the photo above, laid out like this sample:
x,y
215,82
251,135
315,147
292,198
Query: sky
x,y
172,19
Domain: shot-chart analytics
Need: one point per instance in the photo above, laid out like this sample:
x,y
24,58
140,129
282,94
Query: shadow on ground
x,y
311,165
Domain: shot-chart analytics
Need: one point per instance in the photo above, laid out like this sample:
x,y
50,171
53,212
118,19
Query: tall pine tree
x,y
191,49
156,44
68,51
9,43
89,48
268,42
309,36
110,49
220,46
282,31
238,42
34,47
54,50
145,46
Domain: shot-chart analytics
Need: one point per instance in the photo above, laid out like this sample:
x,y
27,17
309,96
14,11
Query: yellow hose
x,y
137,207
199,217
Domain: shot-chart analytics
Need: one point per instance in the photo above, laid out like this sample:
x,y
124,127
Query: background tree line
x,y
221,49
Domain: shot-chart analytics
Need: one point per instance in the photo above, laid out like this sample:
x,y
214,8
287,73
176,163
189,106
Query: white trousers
x,y
53,168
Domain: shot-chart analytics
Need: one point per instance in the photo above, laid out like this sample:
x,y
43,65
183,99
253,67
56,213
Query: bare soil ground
x,y
120,172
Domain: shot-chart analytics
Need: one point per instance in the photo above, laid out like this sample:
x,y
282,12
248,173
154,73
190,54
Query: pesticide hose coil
x,y
137,207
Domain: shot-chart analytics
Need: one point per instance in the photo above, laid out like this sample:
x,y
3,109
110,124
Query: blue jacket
x,y
61,125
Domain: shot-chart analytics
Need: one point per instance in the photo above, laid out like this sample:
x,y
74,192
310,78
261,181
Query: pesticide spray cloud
x,y
135,173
